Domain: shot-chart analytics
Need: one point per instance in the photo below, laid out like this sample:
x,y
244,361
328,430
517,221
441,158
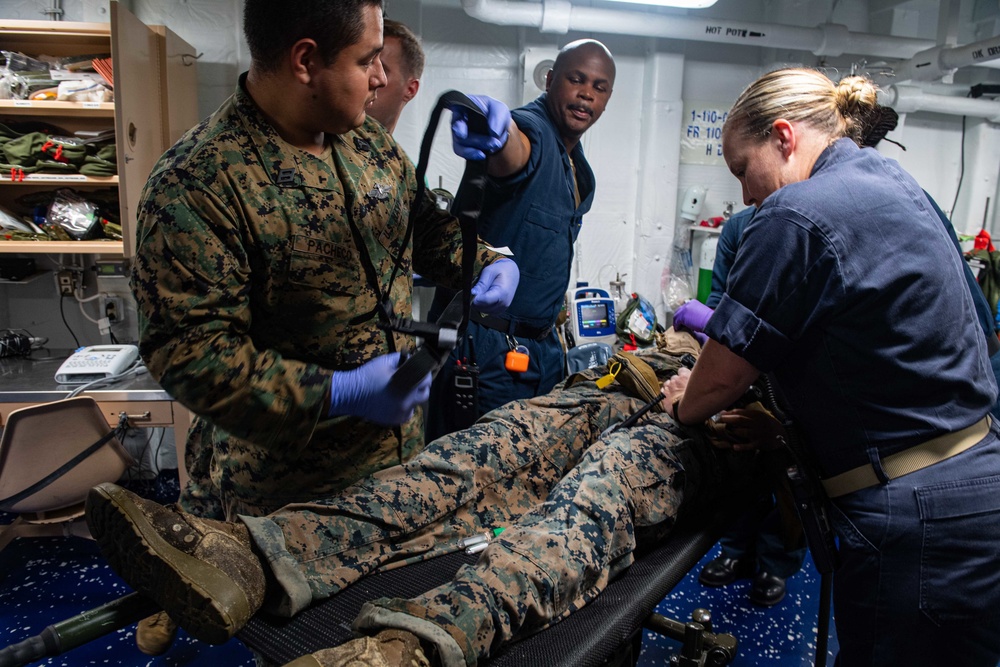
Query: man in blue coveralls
x,y
540,186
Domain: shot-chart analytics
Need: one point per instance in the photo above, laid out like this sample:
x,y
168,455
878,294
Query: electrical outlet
x,y
116,311
113,308
67,282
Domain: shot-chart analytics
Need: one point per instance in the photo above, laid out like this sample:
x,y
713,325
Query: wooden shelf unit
x,y
155,102
52,107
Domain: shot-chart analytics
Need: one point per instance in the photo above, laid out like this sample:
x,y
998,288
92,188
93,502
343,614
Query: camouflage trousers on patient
x,y
573,505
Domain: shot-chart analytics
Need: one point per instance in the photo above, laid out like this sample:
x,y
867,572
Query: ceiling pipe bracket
x,y
555,16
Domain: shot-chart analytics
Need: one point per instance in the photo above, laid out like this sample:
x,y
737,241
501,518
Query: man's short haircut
x,y
570,50
413,53
272,26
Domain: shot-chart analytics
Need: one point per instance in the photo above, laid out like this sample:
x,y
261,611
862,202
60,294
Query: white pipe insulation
x,y
829,39
560,16
904,99
923,57
935,63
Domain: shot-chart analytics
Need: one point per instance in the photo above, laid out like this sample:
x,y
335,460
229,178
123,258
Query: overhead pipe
x,y
560,16
936,63
907,98
828,39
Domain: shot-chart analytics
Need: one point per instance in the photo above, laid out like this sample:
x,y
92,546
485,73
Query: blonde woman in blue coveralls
x,y
877,356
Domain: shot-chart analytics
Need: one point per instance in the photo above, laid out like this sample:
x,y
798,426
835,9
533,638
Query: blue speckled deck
x,y
782,636
45,580
49,579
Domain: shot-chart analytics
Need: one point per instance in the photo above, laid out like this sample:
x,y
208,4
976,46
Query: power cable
x,y
961,173
138,368
62,313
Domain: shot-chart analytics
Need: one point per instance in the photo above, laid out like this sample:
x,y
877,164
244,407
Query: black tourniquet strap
x,y
432,353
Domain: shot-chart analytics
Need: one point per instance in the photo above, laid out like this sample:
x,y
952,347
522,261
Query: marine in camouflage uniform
x,y
251,292
575,505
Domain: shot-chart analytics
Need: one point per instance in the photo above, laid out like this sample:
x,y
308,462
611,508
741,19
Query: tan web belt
x,y
909,460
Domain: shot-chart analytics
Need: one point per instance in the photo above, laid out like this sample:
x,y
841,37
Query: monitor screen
x,y
593,316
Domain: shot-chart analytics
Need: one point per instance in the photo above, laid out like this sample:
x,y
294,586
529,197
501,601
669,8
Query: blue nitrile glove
x,y
693,316
495,288
478,146
364,392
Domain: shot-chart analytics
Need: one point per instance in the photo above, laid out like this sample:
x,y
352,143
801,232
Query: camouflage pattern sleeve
x,y
191,280
253,279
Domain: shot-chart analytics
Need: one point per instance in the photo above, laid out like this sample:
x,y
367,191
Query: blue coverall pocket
x,y
959,570
542,235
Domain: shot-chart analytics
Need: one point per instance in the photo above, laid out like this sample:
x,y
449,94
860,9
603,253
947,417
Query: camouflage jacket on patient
x,y
252,290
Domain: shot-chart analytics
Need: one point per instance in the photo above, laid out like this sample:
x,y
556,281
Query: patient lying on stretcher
x,y
575,502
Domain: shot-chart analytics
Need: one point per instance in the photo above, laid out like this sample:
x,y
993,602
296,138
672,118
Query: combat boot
x,y
203,573
389,648
155,634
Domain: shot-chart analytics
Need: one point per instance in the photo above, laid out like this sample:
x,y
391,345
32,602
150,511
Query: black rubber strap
x,y
8,503
475,174
383,307
430,358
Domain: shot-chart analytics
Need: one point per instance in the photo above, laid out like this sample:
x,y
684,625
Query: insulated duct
x,y
560,16
829,39
935,63
905,99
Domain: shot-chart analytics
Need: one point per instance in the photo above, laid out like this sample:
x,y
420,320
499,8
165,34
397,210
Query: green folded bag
x,y
35,147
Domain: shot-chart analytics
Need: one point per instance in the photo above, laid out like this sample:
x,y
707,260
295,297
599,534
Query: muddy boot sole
x,y
198,596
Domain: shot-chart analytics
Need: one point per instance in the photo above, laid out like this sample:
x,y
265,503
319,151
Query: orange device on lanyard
x,y
516,360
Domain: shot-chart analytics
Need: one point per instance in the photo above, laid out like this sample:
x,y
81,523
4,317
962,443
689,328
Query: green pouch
x,y
95,166
6,168
637,322
35,147
64,149
24,151
53,167
107,152
637,378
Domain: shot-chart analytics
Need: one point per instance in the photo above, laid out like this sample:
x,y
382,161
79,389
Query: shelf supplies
x,y
13,86
637,323
11,223
83,91
21,75
102,162
79,217
40,152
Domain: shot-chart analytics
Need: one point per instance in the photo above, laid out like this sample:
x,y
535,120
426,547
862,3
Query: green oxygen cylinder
x,y
705,264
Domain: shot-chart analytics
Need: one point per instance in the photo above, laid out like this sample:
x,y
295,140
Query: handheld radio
x,y
592,314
